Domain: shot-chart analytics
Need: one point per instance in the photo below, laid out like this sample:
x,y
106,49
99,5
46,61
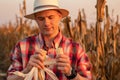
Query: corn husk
x,y
39,74
33,73
59,51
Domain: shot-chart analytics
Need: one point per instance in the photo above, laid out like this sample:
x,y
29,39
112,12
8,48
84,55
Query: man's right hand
x,y
37,60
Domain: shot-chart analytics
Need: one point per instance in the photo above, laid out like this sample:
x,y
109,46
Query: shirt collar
x,y
56,41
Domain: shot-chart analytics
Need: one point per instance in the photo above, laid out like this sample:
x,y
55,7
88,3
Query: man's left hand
x,y
63,64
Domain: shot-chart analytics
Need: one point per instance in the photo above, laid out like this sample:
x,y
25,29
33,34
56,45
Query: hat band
x,y
46,6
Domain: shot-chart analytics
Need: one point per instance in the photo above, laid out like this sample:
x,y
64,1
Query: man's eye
x,y
51,17
40,18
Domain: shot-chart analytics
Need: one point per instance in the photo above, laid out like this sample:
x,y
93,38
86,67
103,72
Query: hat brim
x,y
64,13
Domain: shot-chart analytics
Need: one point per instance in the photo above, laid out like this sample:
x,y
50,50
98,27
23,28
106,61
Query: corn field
x,y
101,41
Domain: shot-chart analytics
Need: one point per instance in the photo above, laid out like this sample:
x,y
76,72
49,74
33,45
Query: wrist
x,y
26,70
69,73
73,74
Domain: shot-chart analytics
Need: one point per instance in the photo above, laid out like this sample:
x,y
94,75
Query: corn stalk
x,y
100,46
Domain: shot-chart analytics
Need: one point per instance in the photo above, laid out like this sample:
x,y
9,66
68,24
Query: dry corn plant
x,y
102,46
11,33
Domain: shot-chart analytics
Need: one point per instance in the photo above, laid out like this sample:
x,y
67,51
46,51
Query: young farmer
x,y
73,64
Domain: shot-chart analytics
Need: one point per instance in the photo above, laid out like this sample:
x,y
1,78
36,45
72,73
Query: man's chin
x,y
48,33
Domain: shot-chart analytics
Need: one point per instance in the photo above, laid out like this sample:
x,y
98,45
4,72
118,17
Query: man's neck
x,y
49,40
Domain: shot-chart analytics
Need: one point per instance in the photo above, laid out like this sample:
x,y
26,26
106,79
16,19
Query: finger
x,y
63,60
38,56
36,63
63,64
63,69
38,66
42,52
62,56
35,60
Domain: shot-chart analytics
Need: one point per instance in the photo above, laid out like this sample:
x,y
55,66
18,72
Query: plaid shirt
x,y
24,49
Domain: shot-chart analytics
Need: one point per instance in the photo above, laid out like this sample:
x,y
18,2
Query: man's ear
x,y
60,15
35,16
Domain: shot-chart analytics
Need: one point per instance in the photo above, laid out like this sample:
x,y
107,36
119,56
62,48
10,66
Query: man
x,y
73,64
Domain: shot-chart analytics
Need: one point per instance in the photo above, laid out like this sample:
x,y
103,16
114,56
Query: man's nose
x,y
47,21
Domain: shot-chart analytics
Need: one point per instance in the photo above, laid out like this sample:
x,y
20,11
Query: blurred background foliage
x,y
100,40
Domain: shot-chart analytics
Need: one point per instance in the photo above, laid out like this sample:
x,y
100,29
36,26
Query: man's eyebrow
x,y
46,16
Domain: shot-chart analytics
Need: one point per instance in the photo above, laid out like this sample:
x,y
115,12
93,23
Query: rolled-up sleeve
x,y
16,60
83,65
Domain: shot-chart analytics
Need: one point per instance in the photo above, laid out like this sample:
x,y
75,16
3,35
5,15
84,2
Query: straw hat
x,y
42,5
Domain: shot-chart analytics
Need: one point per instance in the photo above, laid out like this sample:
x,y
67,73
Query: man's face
x,y
48,22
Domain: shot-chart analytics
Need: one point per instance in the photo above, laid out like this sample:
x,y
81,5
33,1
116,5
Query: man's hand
x,y
37,60
63,64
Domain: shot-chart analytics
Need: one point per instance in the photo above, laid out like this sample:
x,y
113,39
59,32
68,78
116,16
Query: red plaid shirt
x,y
24,49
